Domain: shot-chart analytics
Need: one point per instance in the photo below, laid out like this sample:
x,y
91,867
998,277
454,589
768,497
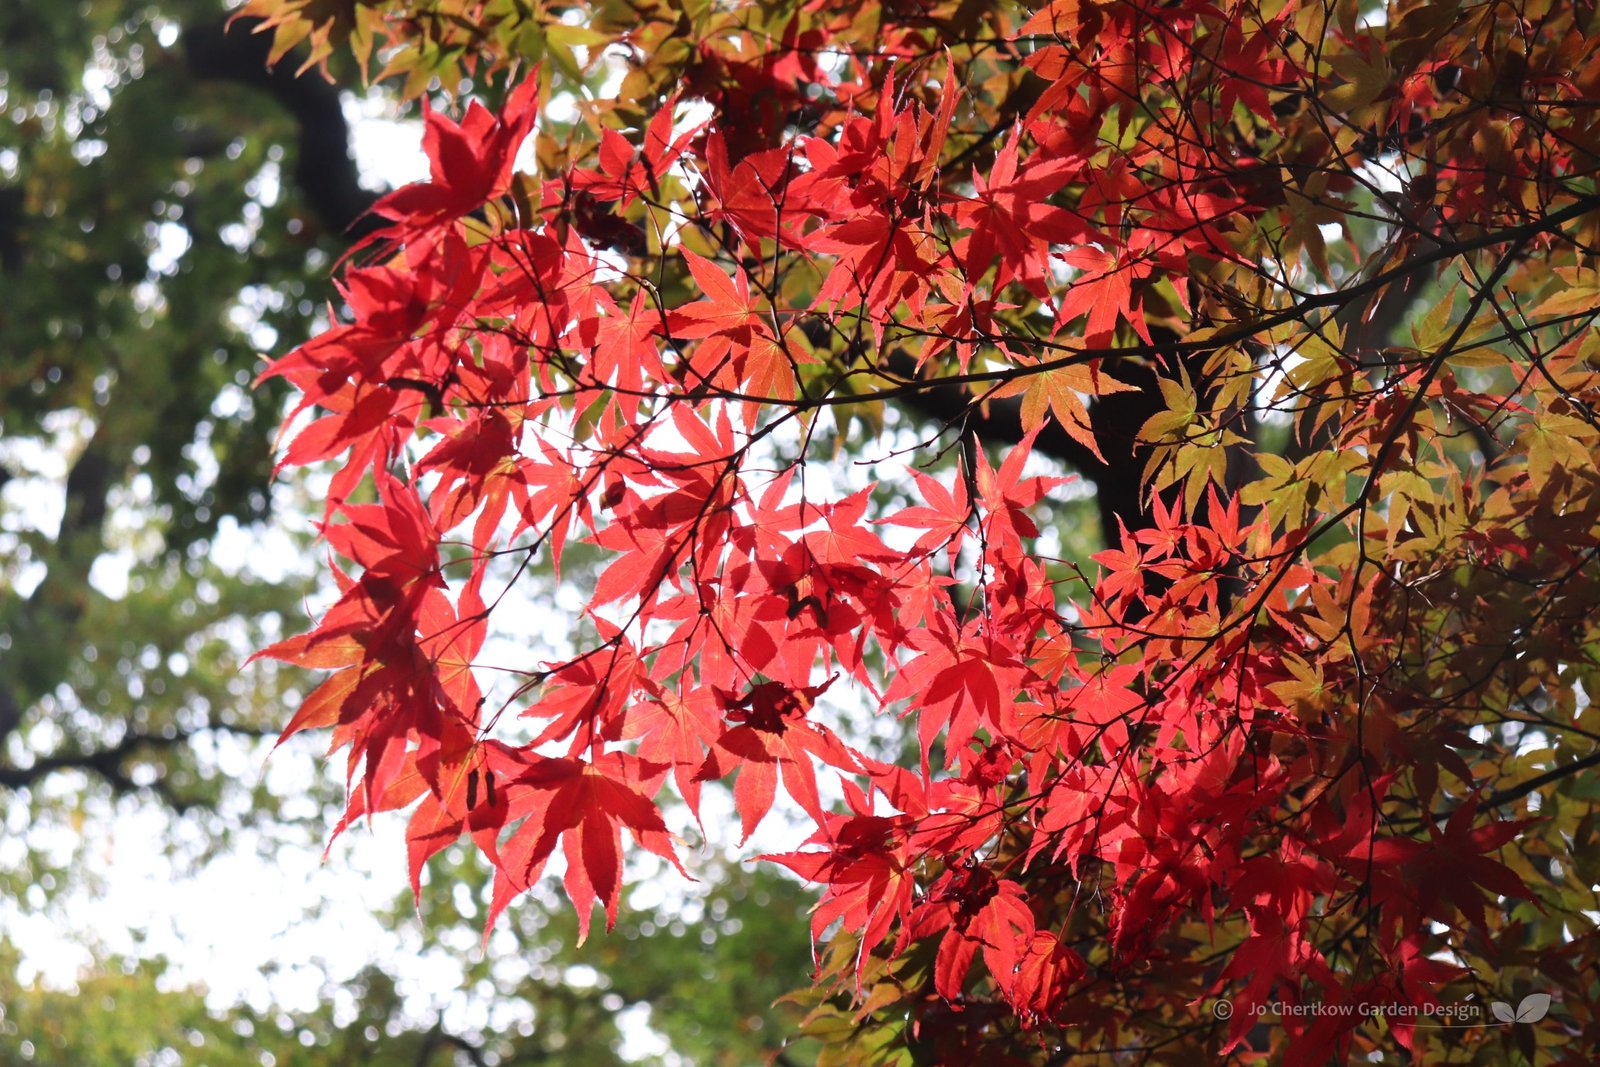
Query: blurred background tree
x,y
169,208
707,978
148,250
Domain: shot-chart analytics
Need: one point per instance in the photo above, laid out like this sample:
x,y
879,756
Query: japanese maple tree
x,y
796,327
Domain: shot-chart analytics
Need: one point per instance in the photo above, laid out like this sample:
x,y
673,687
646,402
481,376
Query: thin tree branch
x,y
1555,774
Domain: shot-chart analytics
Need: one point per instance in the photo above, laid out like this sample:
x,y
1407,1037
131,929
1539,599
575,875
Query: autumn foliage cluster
x,y
1301,291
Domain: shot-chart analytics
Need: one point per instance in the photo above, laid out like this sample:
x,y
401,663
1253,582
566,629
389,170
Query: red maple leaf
x,y
583,805
469,164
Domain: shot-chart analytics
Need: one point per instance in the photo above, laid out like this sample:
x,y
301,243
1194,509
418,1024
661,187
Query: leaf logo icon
x,y
1534,1007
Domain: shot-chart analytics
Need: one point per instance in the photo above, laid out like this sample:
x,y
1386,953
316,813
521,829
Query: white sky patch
x,y
387,148
230,924
171,242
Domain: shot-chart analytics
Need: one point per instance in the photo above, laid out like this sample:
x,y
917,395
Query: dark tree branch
x,y
106,763
438,1038
1522,789
12,217
323,169
1115,419
46,617
109,764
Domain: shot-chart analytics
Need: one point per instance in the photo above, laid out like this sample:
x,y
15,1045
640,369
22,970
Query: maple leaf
x,y
771,738
626,174
730,319
945,518
324,25
959,680
1060,391
480,472
1038,976
586,697
1103,294
470,787
469,164
1012,225
749,196
585,805
676,730
864,864
1313,597
971,909
625,355
1448,875
1006,495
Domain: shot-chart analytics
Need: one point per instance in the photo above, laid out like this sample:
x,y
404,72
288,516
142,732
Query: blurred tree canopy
x,y
169,208
150,245
708,983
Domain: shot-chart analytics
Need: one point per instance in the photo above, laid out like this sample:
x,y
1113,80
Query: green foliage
x,y
713,977
148,248
714,968
127,1014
